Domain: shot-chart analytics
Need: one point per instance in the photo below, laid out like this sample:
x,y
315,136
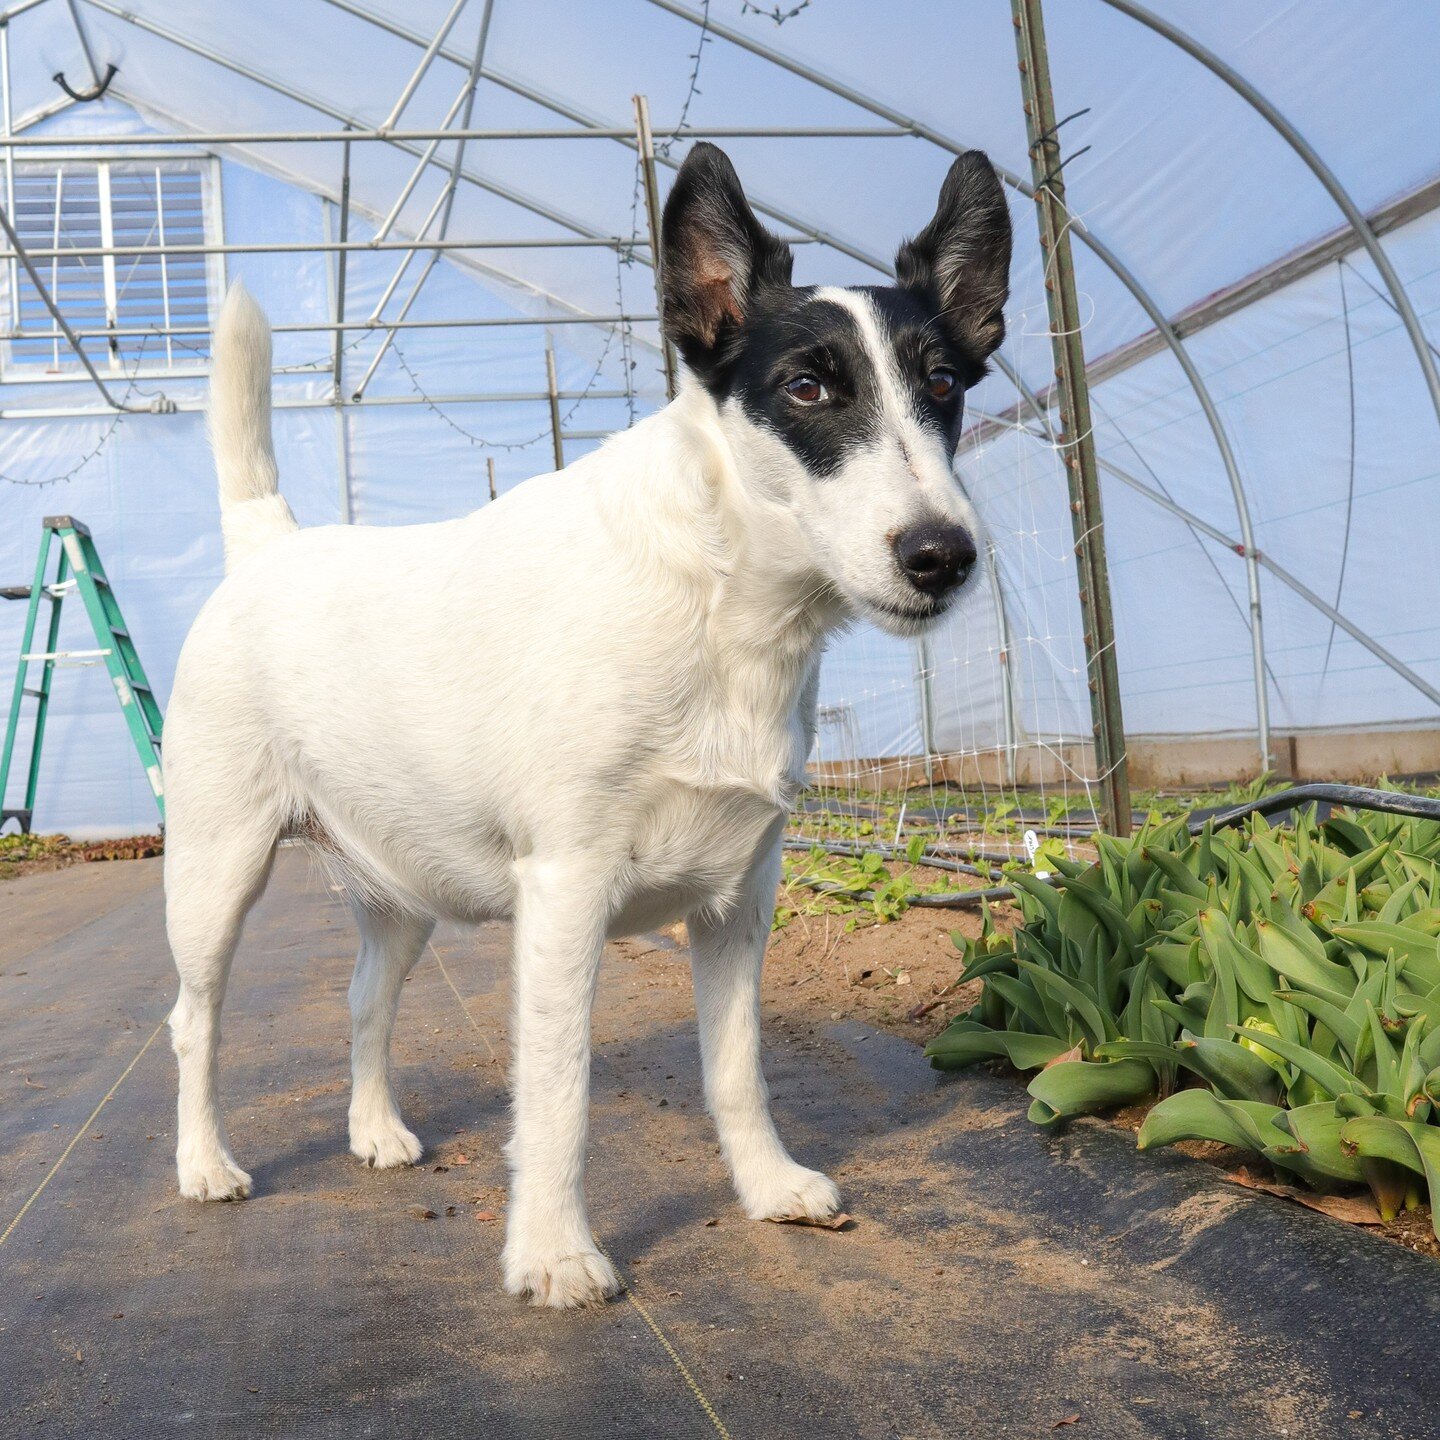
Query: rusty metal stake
x,y
1077,443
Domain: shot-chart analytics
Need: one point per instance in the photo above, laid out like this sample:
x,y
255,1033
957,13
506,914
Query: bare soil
x,y
37,854
902,977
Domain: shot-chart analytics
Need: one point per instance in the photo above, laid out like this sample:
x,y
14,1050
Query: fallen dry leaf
x,y
460,1160
709,1223
1353,1209
835,1222
1067,1420
33,1084
1074,1054
486,1215
419,1212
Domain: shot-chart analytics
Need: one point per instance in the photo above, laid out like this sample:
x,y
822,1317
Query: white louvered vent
x,y
85,205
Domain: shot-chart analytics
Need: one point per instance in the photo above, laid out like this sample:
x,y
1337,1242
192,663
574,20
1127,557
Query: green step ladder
x,y
79,571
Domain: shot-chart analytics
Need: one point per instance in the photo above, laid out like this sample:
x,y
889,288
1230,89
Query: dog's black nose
x,y
935,558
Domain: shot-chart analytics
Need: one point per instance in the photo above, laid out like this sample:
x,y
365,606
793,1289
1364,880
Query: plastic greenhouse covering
x,y
1308,376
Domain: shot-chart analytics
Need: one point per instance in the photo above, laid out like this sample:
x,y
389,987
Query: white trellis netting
x,y
1299,342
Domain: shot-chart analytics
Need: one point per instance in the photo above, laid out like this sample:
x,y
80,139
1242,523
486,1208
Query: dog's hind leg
x,y
390,944
213,874
726,957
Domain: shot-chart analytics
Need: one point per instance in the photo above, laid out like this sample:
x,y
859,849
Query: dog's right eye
x,y
806,389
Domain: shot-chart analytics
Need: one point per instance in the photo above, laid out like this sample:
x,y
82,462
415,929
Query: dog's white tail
x,y
252,510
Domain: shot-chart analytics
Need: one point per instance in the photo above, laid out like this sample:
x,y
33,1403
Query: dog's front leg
x,y
550,1254
726,958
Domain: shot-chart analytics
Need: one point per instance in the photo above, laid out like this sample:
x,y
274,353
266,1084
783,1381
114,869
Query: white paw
x,y
217,1177
385,1144
790,1192
563,1282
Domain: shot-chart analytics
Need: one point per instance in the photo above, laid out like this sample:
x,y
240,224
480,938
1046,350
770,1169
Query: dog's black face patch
x,y
804,364
795,336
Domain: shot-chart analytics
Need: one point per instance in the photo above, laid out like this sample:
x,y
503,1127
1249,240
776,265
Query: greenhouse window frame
x,y
171,357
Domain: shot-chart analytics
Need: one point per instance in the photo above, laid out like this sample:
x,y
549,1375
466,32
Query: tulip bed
x,y
1277,988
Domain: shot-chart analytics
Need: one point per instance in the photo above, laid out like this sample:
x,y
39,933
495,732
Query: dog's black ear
x,y
962,257
715,257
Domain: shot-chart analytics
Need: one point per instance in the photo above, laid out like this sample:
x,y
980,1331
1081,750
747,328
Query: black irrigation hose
x,y
1356,797
951,900
891,852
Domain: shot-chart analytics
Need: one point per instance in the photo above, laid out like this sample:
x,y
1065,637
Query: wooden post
x,y
490,473
1077,443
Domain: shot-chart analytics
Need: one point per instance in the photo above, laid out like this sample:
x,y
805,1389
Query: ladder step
x,y
38,694
15,592
118,633
64,654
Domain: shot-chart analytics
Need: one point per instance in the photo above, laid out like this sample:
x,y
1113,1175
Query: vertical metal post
x,y
645,144
335,283
7,101
925,674
1007,670
554,391
490,473
338,364
1077,443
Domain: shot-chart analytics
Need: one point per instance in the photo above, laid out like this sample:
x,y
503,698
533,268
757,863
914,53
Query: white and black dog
x,y
598,720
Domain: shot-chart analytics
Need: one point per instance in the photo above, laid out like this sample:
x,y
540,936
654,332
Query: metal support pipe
x,y
419,74
325,247
309,327
1007,669
645,147
421,165
335,283
598,128
325,402
299,97
359,134
446,204
925,675
338,363
1077,439
553,393
490,473
95,77
7,116
19,9
1317,167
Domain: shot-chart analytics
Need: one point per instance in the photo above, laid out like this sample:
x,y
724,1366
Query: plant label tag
x,y
1032,849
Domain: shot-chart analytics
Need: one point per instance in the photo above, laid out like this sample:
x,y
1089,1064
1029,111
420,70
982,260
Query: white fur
x,y
586,707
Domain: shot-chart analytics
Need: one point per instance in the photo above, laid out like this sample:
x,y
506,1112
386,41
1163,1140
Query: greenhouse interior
x,y
1090,953
1255,275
